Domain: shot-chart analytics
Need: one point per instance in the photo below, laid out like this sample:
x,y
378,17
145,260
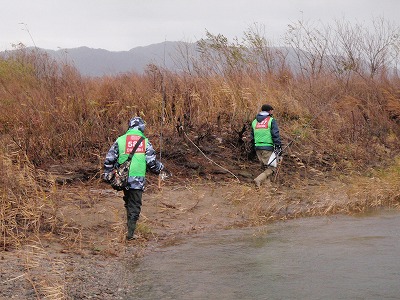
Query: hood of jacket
x,y
137,123
262,115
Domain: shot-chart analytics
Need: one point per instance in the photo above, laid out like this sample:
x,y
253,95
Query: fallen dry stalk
x,y
45,274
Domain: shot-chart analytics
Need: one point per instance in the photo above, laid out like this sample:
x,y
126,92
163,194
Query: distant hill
x,y
99,62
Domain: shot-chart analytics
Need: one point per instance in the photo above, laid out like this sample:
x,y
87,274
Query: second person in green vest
x,y
266,138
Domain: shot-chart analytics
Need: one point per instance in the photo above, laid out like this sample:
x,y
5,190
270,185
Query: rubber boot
x,y
259,179
262,177
131,230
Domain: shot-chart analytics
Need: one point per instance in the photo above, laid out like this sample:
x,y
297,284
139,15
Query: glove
x,y
164,174
278,150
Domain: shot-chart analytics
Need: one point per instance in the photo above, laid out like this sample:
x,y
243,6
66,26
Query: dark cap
x,y
266,107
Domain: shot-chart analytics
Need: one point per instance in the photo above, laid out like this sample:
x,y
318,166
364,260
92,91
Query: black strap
x,y
134,148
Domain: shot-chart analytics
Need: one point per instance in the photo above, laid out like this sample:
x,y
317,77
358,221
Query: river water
x,y
336,257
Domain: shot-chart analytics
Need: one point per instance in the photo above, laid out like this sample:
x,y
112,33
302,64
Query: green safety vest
x,y
262,132
126,143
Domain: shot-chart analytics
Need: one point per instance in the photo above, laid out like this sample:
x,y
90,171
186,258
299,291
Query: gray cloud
x,y
124,24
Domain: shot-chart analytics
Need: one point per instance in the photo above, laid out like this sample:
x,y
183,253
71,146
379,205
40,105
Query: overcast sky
x,y
120,25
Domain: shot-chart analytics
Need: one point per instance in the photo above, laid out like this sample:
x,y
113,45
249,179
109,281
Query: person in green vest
x,y
266,139
143,159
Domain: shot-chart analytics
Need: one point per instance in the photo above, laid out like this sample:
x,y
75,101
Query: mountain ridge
x,y
171,55
97,62
101,62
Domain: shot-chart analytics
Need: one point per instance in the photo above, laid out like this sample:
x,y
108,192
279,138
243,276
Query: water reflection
x,y
318,258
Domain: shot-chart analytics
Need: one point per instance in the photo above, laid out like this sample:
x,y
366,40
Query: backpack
x,y
119,176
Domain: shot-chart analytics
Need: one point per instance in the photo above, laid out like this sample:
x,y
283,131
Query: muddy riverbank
x,y
87,260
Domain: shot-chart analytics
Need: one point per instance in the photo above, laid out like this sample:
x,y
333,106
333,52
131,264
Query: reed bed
x,y
27,207
348,195
343,115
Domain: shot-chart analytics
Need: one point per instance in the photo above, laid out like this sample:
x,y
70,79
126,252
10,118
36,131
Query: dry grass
x,y
50,114
45,274
348,195
27,208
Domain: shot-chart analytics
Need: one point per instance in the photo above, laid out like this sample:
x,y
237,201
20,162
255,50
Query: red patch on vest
x,y
131,141
263,123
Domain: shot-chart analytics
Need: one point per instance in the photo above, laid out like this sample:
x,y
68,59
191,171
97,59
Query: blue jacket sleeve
x,y
275,133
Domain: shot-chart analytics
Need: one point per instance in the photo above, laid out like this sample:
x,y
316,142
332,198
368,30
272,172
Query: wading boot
x,y
131,230
259,179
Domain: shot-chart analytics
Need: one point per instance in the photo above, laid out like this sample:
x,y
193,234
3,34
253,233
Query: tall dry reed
x,y
26,207
343,115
